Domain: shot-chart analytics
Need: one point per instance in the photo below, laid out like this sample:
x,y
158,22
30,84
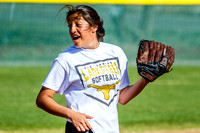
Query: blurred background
x,y
33,34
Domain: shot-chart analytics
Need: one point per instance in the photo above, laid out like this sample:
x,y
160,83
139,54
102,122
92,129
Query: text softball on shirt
x,y
101,75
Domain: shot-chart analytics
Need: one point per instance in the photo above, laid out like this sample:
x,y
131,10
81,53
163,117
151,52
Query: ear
x,y
94,28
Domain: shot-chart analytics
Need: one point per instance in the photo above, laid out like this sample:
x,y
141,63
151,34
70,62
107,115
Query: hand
x,y
80,121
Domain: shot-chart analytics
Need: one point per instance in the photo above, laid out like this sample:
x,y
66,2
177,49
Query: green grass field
x,y
171,102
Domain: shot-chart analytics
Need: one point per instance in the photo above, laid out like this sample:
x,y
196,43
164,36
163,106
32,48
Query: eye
x,y
69,25
78,25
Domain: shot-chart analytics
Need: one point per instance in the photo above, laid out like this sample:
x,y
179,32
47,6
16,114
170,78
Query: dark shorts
x,y
70,128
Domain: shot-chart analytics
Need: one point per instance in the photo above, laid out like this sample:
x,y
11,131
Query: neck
x,y
92,45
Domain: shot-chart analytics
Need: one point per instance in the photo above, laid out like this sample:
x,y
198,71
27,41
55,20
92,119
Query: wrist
x,y
69,113
145,81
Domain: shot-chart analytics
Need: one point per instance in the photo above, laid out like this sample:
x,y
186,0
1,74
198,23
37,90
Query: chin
x,y
78,46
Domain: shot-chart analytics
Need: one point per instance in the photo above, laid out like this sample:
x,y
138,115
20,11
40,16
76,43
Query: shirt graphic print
x,y
102,76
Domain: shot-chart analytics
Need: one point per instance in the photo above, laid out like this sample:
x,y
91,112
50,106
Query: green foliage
x,y
172,101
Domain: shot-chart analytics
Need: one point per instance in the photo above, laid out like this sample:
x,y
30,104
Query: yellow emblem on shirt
x,y
105,89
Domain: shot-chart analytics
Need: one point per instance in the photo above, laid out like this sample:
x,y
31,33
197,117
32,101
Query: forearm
x,y
45,101
49,105
132,91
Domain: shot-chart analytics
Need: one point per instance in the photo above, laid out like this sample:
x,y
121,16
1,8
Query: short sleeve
x,y
57,78
123,67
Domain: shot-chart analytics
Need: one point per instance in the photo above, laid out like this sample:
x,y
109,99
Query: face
x,y
82,34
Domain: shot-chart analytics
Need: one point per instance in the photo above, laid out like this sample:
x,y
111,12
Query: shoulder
x,y
114,50
110,46
66,56
68,52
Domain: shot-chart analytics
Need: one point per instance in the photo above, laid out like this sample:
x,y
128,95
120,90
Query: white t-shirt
x,y
90,80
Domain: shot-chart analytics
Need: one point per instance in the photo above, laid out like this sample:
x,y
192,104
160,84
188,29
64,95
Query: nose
x,y
72,28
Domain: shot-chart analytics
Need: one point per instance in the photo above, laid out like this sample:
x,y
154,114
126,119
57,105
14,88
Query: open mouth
x,y
75,37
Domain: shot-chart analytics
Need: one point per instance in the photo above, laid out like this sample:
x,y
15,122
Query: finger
x,y
160,53
82,128
86,122
158,56
84,125
171,56
146,52
153,51
88,125
141,51
150,51
78,128
166,51
88,117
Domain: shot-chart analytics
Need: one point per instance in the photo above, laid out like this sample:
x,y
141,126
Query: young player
x,y
91,74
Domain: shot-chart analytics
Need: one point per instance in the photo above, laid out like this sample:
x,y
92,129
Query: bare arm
x,y
132,91
45,101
